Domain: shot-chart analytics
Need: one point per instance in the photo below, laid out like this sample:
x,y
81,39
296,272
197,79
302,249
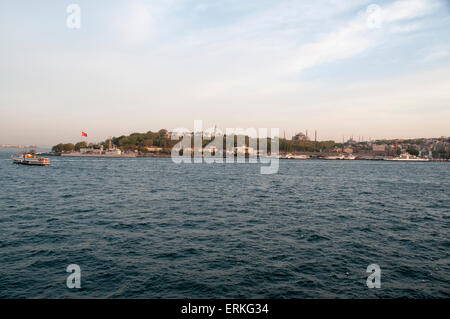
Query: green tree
x,y
143,150
58,148
80,145
413,151
69,147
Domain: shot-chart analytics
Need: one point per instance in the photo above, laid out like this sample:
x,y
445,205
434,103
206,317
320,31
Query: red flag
x,y
84,134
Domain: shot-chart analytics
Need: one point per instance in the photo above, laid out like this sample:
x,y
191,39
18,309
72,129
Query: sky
x,y
367,69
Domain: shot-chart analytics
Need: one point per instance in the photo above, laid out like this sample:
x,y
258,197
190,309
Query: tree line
x,y
162,139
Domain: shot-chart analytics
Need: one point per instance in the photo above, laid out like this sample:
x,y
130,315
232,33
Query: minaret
x,y
315,140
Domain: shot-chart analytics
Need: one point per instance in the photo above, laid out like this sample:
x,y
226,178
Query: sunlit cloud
x,y
359,35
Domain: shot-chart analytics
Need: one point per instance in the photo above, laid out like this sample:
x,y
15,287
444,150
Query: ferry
x,y
30,158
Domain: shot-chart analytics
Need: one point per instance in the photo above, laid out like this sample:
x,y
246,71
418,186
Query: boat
x,y
294,156
335,157
407,158
302,156
350,157
30,158
288,156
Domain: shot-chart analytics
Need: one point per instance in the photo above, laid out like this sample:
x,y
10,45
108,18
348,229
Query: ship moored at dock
x,y
407,158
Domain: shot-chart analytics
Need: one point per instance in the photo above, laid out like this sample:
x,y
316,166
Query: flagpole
x,y
84,134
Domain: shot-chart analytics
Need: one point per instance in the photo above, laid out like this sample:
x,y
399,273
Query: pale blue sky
x,y
139,65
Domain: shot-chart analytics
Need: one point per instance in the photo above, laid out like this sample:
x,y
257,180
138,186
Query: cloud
x,y
437,53
240,68
362,32
408,9
135,24
345,43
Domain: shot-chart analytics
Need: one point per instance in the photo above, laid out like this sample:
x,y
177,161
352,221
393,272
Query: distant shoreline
x,y
320,156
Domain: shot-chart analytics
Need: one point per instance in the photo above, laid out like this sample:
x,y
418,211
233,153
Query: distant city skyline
x,y
378,69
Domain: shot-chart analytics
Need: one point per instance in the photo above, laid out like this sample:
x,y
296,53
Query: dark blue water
x,y
148,228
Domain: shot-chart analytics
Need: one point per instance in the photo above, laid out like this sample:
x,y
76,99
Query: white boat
x,y
335,157
291,156
407,158
29,158
302,156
